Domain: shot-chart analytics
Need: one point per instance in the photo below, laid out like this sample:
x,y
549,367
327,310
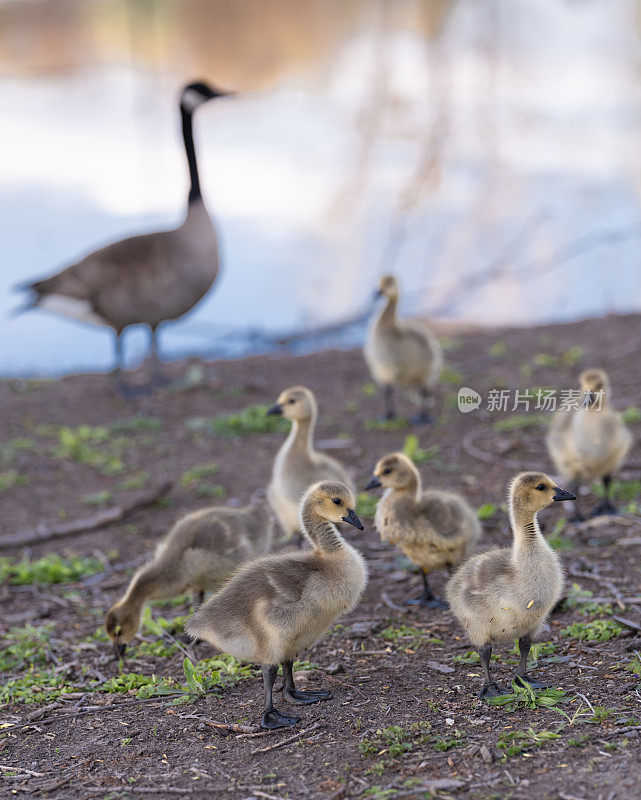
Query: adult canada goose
x,y
506,594
591,442
199,553
277,606
433,528
145,279
402,353
298,465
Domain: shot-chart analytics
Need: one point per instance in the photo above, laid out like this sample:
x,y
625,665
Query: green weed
x,y
9,449
197,473
520,422
451,376
137,481
252,419
98,498
514,743
634,665
22,647
135,424
526,697
417,454
368,390
498,349
599,630
396,424
395,740
632,415
558,542
486,511
623,491
81,444
366,505
10,478
48,569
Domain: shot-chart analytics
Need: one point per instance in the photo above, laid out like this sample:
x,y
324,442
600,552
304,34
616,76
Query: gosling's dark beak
x,y
377,294
373,483
275,409
119,649
589,398
352,519
561,494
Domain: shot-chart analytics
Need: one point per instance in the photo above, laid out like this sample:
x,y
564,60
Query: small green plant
x,y
137,481
514,743
10,478
135,424
368,389
98,498
366,505
395,740
451,376
198,472
498,349
632,415
396,424
36,686
252,419
416,453
443,744
48,569
540,651
527,697
409,637
558,542
623,491
598,630
89,445
471,657
9,449
520,422
634,665
486,511
22,647
601,714
572,356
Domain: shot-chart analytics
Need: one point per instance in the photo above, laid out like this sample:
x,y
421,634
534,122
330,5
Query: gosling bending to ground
x,y
276,607
591,442
434,528
507,593
402,353
199,553
298,465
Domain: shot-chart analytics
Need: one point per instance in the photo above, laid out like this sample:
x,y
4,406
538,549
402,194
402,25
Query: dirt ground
x,y
404,721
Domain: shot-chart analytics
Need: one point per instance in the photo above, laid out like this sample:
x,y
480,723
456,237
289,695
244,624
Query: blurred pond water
x,y
488,153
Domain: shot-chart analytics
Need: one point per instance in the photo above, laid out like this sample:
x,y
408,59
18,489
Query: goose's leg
x,y
291,693
576,515
388,394
490,687
423,417
521,677
124,389
158,377
272,717
428,598
605,505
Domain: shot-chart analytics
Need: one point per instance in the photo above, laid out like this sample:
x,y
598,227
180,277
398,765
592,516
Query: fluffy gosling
x,y
277,606
433,528
298,465
199,553
508,593
591,442
402,353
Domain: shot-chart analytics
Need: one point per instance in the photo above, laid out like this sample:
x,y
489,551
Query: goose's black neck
x,y
188,136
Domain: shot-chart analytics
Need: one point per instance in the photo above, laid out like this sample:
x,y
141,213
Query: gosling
x,y
505,594
434,529
277,606
591,442
402,353
199,553
298,465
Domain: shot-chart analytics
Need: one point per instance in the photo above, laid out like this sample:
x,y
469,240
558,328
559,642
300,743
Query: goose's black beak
x,y
275,409
119,649
377,294
352,519
373,483
561,494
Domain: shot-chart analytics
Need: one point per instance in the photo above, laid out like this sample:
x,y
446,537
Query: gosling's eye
x,y
291,401
541,487
387,471
337,501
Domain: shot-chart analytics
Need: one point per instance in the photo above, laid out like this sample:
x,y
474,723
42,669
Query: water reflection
x,y
487,153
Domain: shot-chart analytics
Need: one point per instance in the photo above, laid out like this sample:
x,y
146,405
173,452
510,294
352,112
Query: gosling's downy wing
x,y
483,581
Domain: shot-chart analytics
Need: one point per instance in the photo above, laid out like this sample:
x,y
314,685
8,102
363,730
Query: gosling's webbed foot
x,y
490,690
429,602
273,719
526,680
302,698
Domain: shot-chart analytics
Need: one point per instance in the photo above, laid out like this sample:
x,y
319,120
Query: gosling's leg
x,y
428,599
423,417
272,717
521,677
388,394
577,515
490,687
293,695
605,505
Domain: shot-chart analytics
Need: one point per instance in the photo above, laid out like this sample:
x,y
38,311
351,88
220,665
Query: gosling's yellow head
x,y
295,403
332,501
533,491
388,287
122,625
595,386
394,471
